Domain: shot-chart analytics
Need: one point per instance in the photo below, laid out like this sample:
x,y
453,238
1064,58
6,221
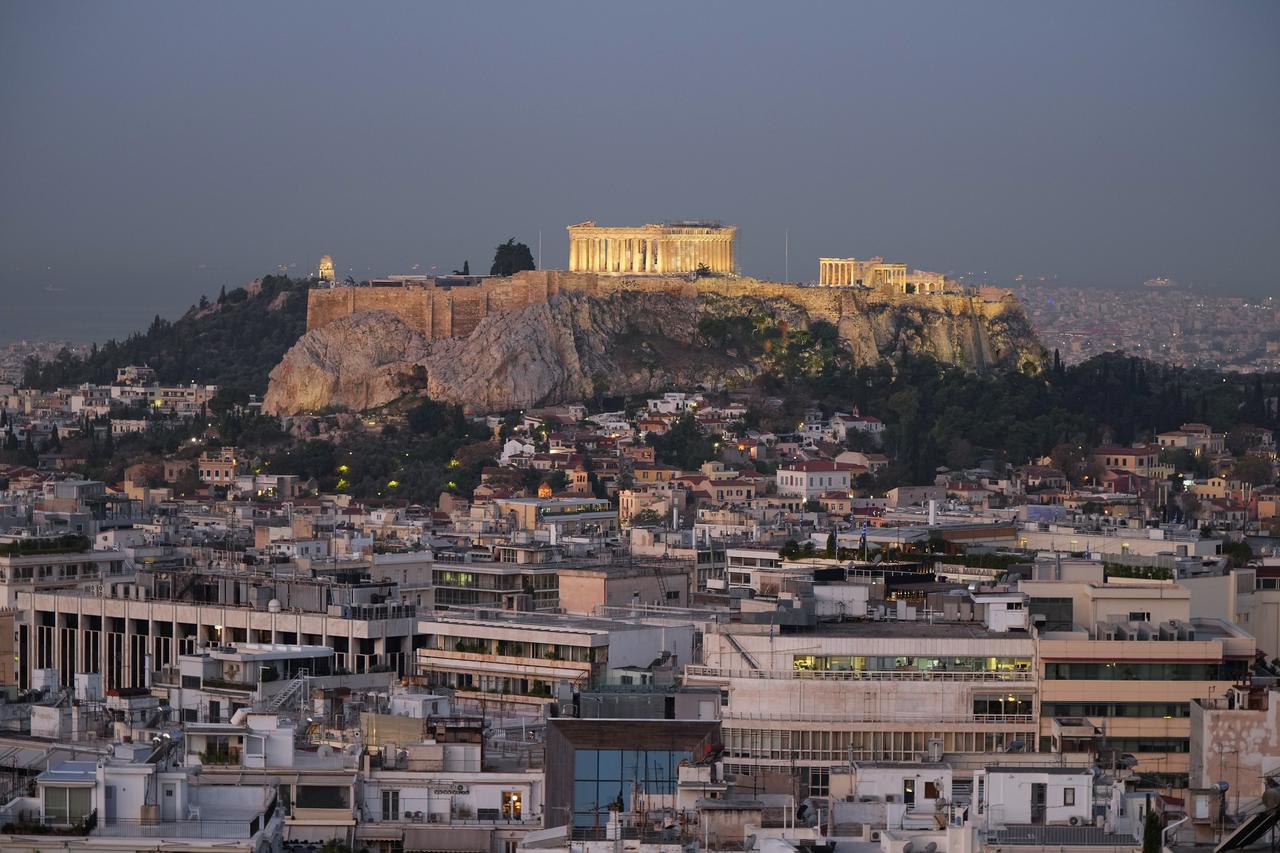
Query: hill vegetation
x,y
232,342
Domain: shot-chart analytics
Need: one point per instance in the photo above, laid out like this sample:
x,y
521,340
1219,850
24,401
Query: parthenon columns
x,y
654,249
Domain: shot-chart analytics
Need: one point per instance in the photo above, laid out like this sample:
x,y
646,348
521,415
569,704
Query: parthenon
x,y
673,247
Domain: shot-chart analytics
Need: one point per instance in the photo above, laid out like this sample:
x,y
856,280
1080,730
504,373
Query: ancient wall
x,y
437,312
443,312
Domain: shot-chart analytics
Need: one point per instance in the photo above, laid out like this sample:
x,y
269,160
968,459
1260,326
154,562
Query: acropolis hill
x,y
622,325
443,311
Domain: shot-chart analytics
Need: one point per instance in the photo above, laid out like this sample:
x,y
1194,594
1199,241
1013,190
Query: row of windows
x,y
1134,671
1003,704
859,663
1146,744
1115,709
843,746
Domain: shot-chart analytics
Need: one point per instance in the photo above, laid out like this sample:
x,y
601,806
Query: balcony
x,y
35,823
233,686
210,829
859,675
220,757
855,717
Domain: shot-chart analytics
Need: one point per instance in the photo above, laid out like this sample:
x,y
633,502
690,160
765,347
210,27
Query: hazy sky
x,y
150,152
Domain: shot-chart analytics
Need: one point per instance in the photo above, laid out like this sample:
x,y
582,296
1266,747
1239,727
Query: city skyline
x,y
1001,141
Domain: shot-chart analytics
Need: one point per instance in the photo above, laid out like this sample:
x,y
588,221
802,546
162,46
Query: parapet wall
x,y
443,312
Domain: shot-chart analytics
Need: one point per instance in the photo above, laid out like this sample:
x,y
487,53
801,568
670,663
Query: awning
x,y
445,839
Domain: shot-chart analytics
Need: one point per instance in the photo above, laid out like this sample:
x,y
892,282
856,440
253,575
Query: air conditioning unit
x,y
875,835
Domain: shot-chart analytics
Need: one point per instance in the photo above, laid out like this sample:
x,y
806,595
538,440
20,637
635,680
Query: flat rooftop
x,y
71,772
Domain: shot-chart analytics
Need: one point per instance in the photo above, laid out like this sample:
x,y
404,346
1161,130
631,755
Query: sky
x,y
152,152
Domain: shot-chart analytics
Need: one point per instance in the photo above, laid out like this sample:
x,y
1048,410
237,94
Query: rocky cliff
x,y
575,345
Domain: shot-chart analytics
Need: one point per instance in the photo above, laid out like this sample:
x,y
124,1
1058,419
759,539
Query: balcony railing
x,y
34,823
858,675
229,829
856,717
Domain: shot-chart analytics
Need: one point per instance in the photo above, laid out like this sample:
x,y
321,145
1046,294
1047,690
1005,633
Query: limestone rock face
x,y
574,346
355,363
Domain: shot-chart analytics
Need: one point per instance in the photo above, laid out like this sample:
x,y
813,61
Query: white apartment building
x,y
868,691
812,479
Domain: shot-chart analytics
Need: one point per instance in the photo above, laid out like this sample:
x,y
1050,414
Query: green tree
x,y
510,258
684,444
1152,830
1237,553
466,269
557,480
1252,469
646,518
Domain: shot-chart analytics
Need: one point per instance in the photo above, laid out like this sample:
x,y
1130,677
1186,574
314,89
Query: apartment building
x,y
1141,459
868,691
1118,669
128,631
46,563
524,658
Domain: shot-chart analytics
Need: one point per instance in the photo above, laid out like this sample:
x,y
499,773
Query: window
x,y
1139,616
67,805
1068,796
390,805
191,682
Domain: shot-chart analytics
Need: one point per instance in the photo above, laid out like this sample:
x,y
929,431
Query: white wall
x,y
1008,797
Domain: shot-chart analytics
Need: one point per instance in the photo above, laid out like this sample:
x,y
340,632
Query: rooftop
x,y
71,772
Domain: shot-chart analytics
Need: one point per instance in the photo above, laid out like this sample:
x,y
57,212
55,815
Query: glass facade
x,y
852,663
613,777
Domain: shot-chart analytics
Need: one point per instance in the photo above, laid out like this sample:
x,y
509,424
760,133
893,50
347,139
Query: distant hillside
x,y
233,342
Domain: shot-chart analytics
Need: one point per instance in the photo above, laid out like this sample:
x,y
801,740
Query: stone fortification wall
x,y
436,312
445,312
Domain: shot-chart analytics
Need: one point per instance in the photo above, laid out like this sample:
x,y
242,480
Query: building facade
x,y
669,248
